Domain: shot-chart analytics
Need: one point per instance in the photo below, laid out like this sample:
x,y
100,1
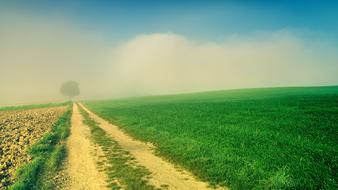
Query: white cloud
x,y
169,63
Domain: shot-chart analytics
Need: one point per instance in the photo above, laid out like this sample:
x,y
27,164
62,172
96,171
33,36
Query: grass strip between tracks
x,y
119,165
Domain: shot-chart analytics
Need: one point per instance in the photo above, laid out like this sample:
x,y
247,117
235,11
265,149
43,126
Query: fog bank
x,y
38,54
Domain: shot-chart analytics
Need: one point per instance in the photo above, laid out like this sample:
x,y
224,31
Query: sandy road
x,y
81,164
163,172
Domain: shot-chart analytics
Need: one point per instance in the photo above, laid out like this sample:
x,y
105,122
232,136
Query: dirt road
x,y
163,172
81,163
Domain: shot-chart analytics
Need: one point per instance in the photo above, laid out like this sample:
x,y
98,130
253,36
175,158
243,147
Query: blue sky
x,y
200,20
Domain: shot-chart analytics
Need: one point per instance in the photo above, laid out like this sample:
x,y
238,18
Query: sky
x,y
131,48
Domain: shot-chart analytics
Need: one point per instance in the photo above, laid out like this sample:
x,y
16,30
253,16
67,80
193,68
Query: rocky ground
x,y
18,131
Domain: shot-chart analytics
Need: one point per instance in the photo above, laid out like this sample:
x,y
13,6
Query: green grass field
x,y
272,138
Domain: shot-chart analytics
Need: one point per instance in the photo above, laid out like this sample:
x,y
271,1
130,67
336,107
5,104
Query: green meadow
x,y
269,138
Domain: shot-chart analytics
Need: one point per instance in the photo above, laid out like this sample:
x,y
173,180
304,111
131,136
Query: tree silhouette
x,y
70,89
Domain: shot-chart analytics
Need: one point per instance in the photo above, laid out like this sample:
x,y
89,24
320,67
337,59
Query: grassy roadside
x,y
47,156
119,165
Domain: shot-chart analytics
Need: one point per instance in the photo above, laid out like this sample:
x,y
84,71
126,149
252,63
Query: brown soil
x,y
18,131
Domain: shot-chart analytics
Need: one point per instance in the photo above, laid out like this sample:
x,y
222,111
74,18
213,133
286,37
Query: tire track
x,y
164,174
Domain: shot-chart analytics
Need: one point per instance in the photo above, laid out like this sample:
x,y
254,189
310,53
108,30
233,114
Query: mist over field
x,y
170,94
38,54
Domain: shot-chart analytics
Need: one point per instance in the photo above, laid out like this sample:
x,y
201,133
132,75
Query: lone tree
x,y
70,89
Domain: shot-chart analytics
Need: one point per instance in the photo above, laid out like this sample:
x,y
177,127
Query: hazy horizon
x,y
122,49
